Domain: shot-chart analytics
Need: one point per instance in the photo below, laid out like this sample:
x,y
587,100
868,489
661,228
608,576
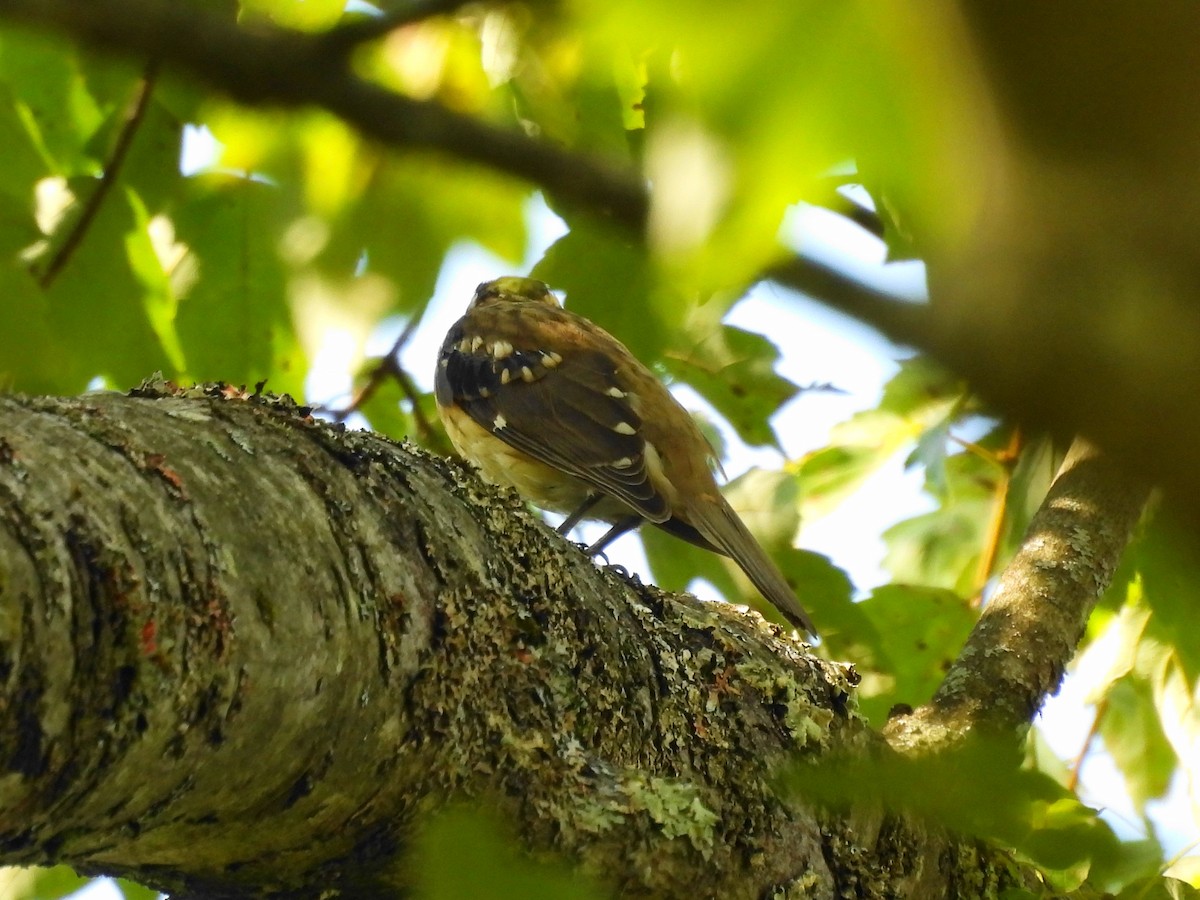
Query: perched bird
x,y
546,401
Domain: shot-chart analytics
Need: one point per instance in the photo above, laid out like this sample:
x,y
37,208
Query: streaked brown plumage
x,y
546,401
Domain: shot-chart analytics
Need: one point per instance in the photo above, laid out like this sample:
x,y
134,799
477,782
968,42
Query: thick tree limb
x,y
218,613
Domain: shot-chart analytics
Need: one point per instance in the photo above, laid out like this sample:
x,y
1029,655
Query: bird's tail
x,y
721,526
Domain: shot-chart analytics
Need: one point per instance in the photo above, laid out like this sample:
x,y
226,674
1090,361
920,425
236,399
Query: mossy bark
x,y
242,651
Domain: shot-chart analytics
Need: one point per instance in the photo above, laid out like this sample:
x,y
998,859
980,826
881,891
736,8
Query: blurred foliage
x,y
493,869
117,262
60,881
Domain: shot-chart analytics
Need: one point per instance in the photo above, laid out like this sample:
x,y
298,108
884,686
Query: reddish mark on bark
x,y
157,463
149,638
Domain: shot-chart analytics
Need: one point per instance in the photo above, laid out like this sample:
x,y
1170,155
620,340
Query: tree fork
x,y
241,650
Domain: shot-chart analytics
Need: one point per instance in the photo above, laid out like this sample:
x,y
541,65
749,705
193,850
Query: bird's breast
x,y
507,466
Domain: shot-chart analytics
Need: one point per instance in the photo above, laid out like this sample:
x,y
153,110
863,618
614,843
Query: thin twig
x,y
108,177
991,546
425,430
1093,731
866,219
389,364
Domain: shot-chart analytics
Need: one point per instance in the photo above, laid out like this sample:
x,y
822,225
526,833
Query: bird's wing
x,y
566,410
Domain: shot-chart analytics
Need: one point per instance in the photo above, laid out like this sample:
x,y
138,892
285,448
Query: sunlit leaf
x,y
98,304
493,866
309,15
912,635
1134,736
608,279
234,322
735,371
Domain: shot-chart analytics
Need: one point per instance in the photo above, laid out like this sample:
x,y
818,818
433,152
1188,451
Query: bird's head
x,y
513,289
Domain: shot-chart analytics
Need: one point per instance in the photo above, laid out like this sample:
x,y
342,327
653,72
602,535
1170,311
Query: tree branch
x,y
272,65
1029,629
218,610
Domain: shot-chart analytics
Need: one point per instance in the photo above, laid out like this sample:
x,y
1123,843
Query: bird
x,y
544,400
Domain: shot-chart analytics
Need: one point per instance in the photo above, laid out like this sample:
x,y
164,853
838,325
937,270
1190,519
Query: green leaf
x,y
1158,888
308,15
234,322
768,501
54,100
1134,737
134,891
37,883
676,563
608,279
24,160
910,638
832,473
466,852
1027,487
39,362
940,548
100,303
1168,558
922,390
919,403
409,229
734,370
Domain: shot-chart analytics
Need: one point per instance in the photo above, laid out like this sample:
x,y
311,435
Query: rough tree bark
x,y
241,651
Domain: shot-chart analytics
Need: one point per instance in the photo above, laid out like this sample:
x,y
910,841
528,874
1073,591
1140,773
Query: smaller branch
x,y
902,321
1030,629
108,177
425,431
389,365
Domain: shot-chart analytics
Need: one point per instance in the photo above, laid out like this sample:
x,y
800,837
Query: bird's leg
x,y
627,524
574,518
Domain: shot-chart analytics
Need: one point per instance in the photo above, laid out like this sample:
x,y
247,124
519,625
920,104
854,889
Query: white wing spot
x,y
623,463
501,350
499,422
616,392
476,343
624,428
550,359
505,376
527,373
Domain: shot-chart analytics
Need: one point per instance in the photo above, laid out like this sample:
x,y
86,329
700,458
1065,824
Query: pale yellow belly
x,y
535,481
